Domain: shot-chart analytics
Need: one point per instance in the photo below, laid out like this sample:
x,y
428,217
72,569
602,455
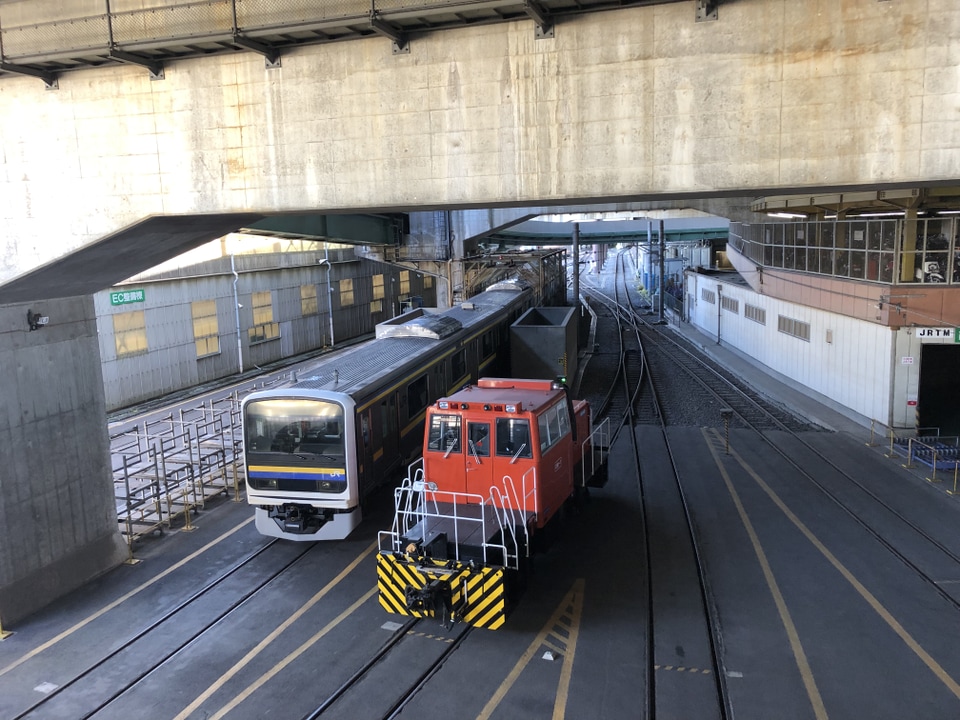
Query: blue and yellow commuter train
x,y
317,447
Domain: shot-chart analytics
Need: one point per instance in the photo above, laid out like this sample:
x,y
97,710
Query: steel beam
x,y
49,78
269,52
388,30
541,16
155,68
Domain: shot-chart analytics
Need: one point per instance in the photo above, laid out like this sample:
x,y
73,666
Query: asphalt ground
x,y
829,605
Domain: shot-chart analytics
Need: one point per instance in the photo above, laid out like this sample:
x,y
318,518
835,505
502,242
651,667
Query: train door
x,y
364,451
478,464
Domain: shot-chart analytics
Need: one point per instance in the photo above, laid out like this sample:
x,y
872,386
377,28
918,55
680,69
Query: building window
x,y
346,292
404,282
206,332
378,287
130,333
264,328
376,306
308,300
427,282
795,328
730,304
708,296
757,314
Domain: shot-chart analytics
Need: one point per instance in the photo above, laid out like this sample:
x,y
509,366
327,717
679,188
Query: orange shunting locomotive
x,y
500,460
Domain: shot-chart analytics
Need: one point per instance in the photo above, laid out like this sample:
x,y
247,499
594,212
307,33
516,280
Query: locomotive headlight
x,y
270,484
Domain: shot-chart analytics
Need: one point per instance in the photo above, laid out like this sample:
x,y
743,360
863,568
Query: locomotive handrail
x,y
599,439
417,501
532,491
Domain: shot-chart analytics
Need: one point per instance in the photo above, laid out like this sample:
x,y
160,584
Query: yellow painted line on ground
x,y
800,657
246,659
86,621
572,604
262,680
877,606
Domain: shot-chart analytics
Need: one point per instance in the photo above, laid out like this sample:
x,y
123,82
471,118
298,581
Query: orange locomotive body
x,y
500,460
525,430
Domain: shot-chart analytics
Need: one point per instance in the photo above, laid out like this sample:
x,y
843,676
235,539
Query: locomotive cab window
x,y
444,433
513,438
553,425
478,439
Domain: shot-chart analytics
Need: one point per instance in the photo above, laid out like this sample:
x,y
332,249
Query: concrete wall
x,y
846,360
626,104
58,523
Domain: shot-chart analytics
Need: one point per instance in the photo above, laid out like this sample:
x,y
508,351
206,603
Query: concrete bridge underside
x,y
631,105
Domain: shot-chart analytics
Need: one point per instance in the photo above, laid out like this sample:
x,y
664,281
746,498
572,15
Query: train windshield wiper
x,y
311,456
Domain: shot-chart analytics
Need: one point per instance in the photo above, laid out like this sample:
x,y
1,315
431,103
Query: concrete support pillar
x,y
58,520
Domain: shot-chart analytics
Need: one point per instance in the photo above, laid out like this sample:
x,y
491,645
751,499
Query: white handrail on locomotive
x,y
416,502
599,443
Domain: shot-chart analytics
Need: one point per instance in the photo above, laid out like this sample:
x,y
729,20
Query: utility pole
x,y
576,263
663,251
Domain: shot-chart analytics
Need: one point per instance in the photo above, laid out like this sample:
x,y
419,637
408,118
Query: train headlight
x,y
511,408
444,405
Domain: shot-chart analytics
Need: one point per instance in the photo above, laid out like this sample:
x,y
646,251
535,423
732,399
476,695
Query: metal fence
x,y
167,469
32,32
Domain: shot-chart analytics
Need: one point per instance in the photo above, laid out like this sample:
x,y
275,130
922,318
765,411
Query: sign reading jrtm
x,y
935,332
123,297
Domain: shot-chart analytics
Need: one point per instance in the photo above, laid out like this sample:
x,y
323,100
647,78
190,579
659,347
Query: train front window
x,y
300,430
444,434
513,438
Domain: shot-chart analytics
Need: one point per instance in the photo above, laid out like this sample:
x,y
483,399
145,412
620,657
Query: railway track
x,y
642,406
404,665
168,625
904,537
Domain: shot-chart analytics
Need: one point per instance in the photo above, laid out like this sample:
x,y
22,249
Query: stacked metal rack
x,y
932,450
170,467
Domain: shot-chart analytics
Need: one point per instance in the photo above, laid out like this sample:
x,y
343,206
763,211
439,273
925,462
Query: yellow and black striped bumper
x,y
478,595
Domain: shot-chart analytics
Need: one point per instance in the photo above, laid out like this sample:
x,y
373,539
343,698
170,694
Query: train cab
x,y
520,434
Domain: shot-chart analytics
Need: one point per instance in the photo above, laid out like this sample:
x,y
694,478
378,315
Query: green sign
x,y
123,297
956,335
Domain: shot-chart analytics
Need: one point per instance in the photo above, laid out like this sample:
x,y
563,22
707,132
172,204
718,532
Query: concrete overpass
x,y
132,135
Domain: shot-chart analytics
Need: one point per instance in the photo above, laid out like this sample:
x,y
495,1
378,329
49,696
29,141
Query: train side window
x,y
444,434
365,427
513,436
459,365
416,396
543,425
553,425
487,345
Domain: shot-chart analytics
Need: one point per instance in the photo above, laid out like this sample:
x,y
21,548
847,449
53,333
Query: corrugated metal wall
x,y
170,361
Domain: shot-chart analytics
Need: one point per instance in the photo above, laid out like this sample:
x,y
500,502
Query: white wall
x,y
854,370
